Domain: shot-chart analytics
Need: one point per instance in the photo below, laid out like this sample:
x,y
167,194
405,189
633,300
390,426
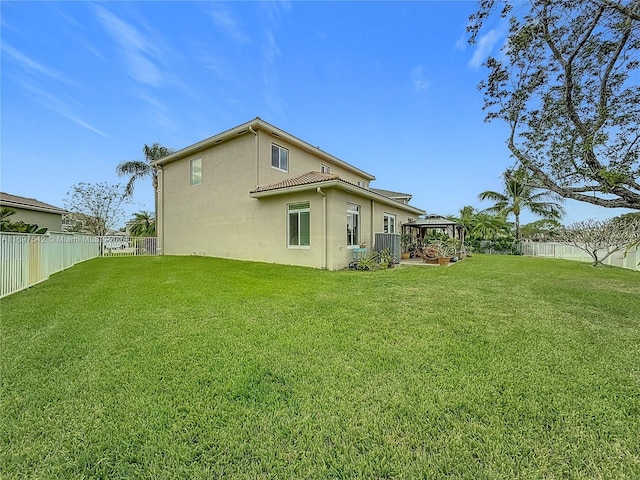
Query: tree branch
x,y
633,12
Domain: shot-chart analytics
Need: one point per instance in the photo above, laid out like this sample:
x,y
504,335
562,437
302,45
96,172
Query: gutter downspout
x,y
373,206
324,227
255,134
160,207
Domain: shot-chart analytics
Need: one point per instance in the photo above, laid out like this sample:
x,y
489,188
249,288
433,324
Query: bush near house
x,y
192,367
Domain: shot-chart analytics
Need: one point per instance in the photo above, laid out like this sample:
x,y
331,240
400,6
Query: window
x,y
325,169
353,225
279,158
361,184
299,225
389,223
196,171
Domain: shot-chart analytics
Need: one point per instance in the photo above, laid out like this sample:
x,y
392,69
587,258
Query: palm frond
x,y
494,196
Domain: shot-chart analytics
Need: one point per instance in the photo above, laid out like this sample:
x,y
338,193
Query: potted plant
x,y
386,258
405,240
446,250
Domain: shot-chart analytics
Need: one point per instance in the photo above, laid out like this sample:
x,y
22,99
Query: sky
x,y
389,87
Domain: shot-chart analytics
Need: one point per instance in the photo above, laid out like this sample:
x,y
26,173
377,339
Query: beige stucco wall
x,y
371,222
300,161
51,221
219,218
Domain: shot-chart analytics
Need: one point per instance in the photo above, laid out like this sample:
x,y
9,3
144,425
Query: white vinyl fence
x,y
120,246
28,259
629,259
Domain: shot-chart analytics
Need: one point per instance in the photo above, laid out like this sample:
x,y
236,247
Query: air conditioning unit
x,y
390,241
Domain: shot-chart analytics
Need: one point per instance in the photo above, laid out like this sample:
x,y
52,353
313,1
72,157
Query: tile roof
x,y
16,201
391,194
301,180
311,178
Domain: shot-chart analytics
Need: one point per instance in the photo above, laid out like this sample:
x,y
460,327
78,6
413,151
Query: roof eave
x,y
23,206
206,143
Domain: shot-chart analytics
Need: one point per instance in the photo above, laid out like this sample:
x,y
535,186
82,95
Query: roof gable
x,y
250,127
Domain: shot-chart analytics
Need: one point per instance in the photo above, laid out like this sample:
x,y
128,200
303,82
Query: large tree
x,y
141,169
98,204
519,195
602,238
568,88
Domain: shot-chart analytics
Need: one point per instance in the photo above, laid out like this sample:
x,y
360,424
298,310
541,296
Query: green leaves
x,y
143,224
138,170
17,227
521,192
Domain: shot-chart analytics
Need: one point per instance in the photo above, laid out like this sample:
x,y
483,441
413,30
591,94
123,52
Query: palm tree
x,y
480,225
465,218
489,227
137,169
519,194
5,213
143,225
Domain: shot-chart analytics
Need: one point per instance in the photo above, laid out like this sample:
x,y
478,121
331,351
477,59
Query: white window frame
x,y
353,212
195,180
297,209
362,184
325,168
389,223
280,162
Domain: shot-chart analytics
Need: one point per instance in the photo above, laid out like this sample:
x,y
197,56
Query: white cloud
x,y
224,19
270,54
61,108
158,112
276,10
485,45
419,78
461,44
140,53
28,63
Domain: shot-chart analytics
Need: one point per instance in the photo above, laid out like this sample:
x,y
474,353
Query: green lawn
x,y
189,367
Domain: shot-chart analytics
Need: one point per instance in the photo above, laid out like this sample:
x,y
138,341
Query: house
x,y
32,211
256,192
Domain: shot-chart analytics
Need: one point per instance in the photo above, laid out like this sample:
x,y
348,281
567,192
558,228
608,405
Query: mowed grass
x,y
189,367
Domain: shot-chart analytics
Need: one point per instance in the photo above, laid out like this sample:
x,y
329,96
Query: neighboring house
x,y
256,192
32,211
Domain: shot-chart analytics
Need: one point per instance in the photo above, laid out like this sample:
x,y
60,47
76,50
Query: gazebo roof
x,y
431,221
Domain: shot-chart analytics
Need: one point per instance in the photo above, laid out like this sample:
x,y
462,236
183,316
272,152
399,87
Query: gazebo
x,y
434,223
